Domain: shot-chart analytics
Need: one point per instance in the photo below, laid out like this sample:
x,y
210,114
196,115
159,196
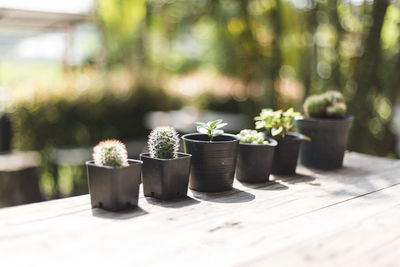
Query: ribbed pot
x,y
286,154
328,141
255,162
114,188
213,163
165,178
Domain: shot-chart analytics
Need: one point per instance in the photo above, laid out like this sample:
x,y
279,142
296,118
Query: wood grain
x,y
318,218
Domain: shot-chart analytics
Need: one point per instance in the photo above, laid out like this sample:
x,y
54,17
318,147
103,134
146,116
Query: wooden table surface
x,y
348,217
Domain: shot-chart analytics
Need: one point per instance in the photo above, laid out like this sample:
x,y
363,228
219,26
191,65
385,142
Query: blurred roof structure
x,y
37,20
19,24
23,19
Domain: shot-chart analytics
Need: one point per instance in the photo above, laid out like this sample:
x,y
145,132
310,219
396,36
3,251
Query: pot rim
x,y
184,155
346,118
293,135
272,143
91,163
235,138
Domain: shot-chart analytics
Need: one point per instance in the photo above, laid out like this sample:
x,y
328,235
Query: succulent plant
x,y
248,136
277,123
110,153
327,105
211,128
163,143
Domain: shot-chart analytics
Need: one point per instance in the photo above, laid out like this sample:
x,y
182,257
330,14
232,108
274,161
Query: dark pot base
x,y
328,142
255,162
166,178
114,189
286,154
213,163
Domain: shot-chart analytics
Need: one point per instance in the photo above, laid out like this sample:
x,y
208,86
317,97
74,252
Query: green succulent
x,y
327,105
110,153
211,128
277,123
163,143
248,136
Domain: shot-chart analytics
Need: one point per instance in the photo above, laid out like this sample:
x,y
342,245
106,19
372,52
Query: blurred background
x,y
75,72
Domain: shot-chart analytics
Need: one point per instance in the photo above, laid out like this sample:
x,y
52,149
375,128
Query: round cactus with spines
x,y
110,153
163,143
327,105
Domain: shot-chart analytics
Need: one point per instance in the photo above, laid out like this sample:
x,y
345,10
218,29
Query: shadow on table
x,y
231,196
295,179
175,203
119,215
269,186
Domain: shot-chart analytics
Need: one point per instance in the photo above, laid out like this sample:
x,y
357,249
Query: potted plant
x,y
278,125
255,156
326,123
213,157
113,178
165,170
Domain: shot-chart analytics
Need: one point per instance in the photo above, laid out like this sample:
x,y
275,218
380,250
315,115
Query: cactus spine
x,y
328,105
110,153
163,143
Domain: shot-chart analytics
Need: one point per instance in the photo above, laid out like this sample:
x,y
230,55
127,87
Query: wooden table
x,y
346,217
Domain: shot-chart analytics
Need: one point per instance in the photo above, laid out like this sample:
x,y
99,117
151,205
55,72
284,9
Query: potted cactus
x,y
255,156
278,125
213,157
165,170
113,178
326,123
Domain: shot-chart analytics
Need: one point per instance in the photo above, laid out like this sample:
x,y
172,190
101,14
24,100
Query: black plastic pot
x,y
5,134
286,154
114,188
213,163
255,162
328,141
165,178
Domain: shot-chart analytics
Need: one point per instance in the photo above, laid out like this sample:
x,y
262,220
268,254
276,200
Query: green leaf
x,y
219,126
217,132
260,124
202,130
276,131
213,123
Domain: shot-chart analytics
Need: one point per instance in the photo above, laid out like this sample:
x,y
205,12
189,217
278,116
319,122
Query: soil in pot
x,y
286,154
255,162
165,178
328,141
114,188
213,163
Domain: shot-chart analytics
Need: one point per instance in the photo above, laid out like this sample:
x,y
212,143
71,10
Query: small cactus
x,y
163,143
110,153
328,105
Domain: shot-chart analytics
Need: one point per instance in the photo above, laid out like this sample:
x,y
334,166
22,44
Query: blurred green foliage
x,y
62,123
235,56
286,49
